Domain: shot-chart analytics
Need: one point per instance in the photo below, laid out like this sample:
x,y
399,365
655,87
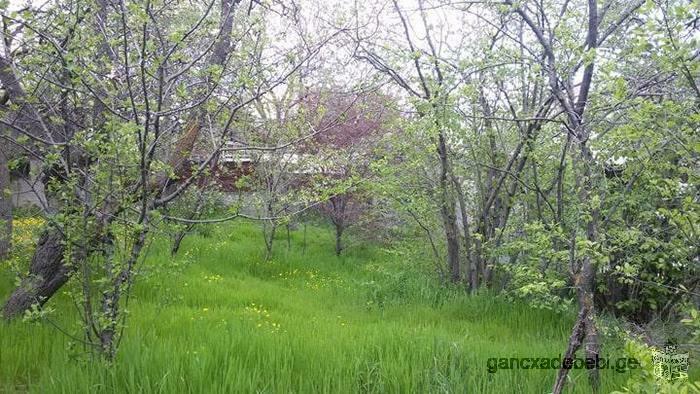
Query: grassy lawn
x,y
219,319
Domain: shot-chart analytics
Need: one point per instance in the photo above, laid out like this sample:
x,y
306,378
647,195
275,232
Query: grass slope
x,y
219,319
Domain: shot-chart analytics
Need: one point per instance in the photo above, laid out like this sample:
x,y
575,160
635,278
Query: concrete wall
x,y
29,190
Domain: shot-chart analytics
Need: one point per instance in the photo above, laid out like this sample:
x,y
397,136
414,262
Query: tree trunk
x,y
269,230
447,211
177,241
5,207
577,335
303,247
109,336
196,214
586,286
338,239
469,274
289,237
585,331
47,274
452,249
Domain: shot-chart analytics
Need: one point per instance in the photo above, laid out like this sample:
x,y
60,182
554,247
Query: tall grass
x,y
219,319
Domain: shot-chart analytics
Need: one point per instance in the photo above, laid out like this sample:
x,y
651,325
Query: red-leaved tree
x,y
354,123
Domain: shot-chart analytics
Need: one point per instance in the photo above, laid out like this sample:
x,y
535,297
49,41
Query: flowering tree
x,y
355,123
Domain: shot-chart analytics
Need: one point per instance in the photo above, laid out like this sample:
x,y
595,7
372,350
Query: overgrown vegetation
x,y
492,157
227,320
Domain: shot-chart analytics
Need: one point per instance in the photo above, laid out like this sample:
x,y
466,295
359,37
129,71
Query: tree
x,y
537,114
579,130
354,122
429,88
123,101
275,181
5,206
449,89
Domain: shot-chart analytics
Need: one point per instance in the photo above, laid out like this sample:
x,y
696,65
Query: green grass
x,y
219,319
